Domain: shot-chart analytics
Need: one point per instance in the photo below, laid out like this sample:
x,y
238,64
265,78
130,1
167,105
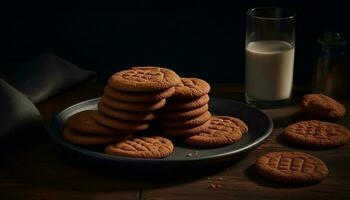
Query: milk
x,y
269,70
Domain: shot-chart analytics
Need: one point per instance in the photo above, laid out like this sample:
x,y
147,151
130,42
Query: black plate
x,y
260,127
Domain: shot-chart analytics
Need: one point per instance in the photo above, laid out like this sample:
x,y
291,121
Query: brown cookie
x,y
223,130
138,96
185,114
144,79
128,106
191,88
177,105
320,105
142,147
126,115
178,124
77,138
187,131
317,134
121,124
84,122
294,168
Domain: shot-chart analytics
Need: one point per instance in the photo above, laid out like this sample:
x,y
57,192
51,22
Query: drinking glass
x,y
270,44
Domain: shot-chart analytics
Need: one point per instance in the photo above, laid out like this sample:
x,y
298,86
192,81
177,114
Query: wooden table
x,y
39,170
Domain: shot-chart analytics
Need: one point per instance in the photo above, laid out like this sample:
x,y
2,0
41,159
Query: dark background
x,y
196,38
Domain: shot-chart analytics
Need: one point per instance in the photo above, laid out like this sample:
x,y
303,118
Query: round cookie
x,y
121,124
316,134
320,105
223,130
144,79
177,105
138,96
186,114
191,88
142,147
126,115
294,168
187,131
174,124
84,122
77,138
128,106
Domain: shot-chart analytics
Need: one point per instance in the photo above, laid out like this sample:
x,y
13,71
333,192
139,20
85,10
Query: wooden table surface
x,y
40,171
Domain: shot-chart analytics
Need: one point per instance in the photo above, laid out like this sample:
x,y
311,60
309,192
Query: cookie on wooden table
x,y
126,115
138,96
84,122
191,88
83,139
168,124
317,134
130,106
142,147
144,79
223,130
294,168
121,124
188,104
322,107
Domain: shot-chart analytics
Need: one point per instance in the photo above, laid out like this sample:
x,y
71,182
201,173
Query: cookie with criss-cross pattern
x,y
185,105
142,147
317,134
322,107
131,106
294,168
144,79
184,114
223,130
191,88
126,115
121,124
197,121
179,132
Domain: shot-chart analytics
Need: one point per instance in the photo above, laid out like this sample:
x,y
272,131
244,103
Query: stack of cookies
x,y
186,111
132,97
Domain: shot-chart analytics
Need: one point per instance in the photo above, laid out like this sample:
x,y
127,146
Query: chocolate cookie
x,y
144,79
185,114
317,134
121,124
84,122
80,139
197,121
292,168
142,147
187,131
320,105
138,96
177,105
223,130
128,106
191,88
126,115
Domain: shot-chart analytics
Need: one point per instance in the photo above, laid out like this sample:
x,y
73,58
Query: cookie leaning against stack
x,y
132,96
186,112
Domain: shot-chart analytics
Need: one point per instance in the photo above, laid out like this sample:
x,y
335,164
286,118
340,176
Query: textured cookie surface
x,y
185,114
322,105
138,96
76,138
295,168
142,79
84,122
128,106
190,88
126,115
168,124
223,130
142,147
177,105
187,131
121,124
317,134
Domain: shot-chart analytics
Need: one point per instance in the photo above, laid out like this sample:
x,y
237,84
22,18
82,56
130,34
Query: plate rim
x,y
90,153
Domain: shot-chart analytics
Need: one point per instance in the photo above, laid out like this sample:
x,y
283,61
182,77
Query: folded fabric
x,y
44,76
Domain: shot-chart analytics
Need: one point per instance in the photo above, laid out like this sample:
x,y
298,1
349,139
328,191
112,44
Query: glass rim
x,y
291,16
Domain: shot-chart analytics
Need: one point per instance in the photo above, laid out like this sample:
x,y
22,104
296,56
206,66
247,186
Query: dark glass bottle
x,y
331,72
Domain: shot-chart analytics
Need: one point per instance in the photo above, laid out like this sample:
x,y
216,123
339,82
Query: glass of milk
x,y
270,44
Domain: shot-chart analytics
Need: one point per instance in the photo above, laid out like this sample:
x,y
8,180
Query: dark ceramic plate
x,y
260,127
